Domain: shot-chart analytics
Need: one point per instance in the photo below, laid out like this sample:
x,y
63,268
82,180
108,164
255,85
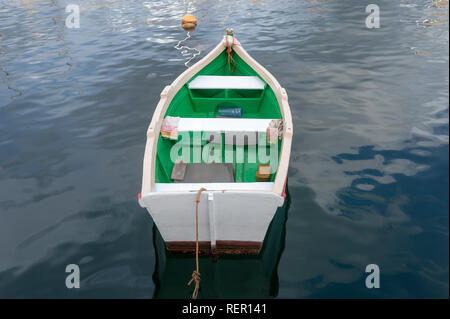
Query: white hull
x,y
229,222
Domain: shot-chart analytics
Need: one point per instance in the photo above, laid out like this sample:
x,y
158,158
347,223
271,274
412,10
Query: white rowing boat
x,y
223,125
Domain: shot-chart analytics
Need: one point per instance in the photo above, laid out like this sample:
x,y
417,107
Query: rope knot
x,y
196,279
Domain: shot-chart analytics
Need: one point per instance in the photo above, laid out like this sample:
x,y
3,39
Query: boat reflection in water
x,y
230,276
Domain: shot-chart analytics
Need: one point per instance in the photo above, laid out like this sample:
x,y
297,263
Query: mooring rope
x,y
181,47
196,273
230,54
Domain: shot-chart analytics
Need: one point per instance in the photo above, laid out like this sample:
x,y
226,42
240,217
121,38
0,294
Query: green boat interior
x,y
207,95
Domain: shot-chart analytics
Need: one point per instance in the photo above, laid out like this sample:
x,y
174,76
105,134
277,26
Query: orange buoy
x,y
189,22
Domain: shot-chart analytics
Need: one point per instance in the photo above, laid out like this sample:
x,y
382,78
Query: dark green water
x,y
368,179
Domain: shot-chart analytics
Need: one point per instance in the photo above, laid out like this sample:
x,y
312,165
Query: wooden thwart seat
x,y
222,125
180,187
227,82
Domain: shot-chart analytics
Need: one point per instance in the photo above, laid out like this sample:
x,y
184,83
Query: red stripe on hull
x,y
223,247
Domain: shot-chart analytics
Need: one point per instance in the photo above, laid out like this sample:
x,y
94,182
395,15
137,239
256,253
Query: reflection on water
x,y
230,276
368,176
189,53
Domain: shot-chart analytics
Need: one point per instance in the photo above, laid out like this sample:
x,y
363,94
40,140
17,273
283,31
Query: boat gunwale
x,y
168,93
